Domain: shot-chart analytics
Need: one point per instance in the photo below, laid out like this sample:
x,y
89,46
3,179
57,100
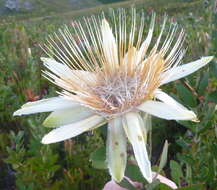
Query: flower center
x,y
119,93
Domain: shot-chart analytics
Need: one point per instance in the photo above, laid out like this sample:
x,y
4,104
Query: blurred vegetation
x,y
26,164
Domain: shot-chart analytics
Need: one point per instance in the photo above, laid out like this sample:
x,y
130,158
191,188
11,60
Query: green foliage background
x,y
26,164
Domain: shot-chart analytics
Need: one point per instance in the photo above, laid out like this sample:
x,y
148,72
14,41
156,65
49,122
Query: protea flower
x,y
111,75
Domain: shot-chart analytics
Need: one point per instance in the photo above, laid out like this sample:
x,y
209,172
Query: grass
x,y
158,6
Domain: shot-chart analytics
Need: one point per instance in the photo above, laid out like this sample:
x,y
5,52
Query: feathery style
x,y
111,75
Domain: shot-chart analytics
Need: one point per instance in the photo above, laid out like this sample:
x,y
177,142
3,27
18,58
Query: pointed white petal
x,y
164,180
181,71
67,116
109,44
116,149
72,130
132,123
57,68
162,96
65,72
167,111
45,105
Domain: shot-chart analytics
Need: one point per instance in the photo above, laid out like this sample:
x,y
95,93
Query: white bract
x,y
110,75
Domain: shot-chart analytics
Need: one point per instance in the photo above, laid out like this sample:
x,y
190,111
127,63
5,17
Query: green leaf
x,y
176,171
163,158
205,124
153,185
98,158
186,95
216,131
203,84
126,184
189,174
164,187
182,142
186,158
211,168
213,69
213,97
193,187
134,173
188,124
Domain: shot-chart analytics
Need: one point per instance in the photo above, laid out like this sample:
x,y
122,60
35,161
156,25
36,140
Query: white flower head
x,y
111,75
